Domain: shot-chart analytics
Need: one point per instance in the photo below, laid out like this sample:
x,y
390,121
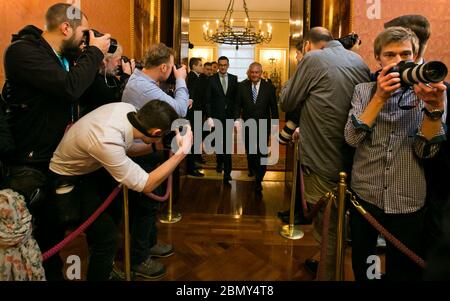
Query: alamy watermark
x,y
254,134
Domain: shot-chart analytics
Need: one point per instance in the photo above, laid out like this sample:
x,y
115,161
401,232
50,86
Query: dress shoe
x,y
227,179
283,213
258,186
311,266
196,173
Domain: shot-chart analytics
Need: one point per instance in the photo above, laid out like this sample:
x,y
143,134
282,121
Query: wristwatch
x,y
434,114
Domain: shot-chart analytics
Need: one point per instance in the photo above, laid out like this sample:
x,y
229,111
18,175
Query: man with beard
x,y
109,83
42,87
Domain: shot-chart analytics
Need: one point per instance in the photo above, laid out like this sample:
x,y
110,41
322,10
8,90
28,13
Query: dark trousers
x,y
143,213
254,159
406,227
102,235
193,157
224,159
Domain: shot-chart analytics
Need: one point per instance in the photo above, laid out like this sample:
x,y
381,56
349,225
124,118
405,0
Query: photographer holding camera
x,y
388,176
141,87
108,85
41,90
436,168
144,84
104,140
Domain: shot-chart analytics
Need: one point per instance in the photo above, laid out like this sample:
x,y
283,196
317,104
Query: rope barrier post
x,y
171,217
291,231
340,248
126,222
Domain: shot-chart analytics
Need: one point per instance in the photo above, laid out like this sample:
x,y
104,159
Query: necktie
x,y
224,84
254,93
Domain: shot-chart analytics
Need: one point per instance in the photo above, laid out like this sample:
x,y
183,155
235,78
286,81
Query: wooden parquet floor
x,y
228,233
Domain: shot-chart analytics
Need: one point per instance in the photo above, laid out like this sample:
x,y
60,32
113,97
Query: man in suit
x,y
220,96
256,100
195,82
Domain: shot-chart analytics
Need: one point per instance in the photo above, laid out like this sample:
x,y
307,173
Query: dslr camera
x,y
171,80
138,64
349,41
85,40
412,73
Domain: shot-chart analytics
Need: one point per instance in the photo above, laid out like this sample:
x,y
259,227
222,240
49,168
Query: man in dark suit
x,y
221,94
256,100
196,82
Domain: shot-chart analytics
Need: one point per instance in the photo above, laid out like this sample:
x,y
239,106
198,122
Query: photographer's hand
x,y
101,43
432,94
180,73
296,134
387,83
127,67
185,141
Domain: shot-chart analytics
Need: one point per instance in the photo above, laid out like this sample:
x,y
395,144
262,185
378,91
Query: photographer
x,y
388,176
109,83
41,90
144,85
141,87
321,91
104,138
438,167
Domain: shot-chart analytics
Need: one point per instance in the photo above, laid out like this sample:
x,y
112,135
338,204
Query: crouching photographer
x,y
104,139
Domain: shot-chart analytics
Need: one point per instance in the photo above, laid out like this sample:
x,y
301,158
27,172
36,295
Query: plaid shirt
x,y
387,166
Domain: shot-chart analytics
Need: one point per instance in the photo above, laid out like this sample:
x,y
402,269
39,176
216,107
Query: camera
x,y
85,40
349,41
412,73
138,64
171,80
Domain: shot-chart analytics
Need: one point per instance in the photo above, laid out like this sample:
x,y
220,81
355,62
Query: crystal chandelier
x,y
225,33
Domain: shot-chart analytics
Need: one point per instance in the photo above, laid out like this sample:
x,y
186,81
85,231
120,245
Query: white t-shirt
x,y
101,138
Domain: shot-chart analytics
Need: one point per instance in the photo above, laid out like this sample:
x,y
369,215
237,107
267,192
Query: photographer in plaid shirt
x,y
388,176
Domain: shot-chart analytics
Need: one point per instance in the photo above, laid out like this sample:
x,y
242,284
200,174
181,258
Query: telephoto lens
x,y
411,73
286,133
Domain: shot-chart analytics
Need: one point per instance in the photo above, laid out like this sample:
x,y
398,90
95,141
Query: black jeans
x,y
102,235
406,227
143,214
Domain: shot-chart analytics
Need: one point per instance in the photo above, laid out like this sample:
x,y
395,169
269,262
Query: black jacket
x,y
103,91
41,93
220,105
266,103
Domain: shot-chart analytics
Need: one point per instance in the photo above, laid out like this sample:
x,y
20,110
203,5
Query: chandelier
x,y
225,33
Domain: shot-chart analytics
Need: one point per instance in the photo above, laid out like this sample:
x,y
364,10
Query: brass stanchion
x,y
291,231
171,217
340,248
126,222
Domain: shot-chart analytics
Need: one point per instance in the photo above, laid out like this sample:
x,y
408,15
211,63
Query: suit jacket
x,y
266,102
219,104
196,87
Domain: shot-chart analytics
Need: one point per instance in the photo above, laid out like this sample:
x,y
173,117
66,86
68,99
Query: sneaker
x,y
311,266
381,242
150,269
161,250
